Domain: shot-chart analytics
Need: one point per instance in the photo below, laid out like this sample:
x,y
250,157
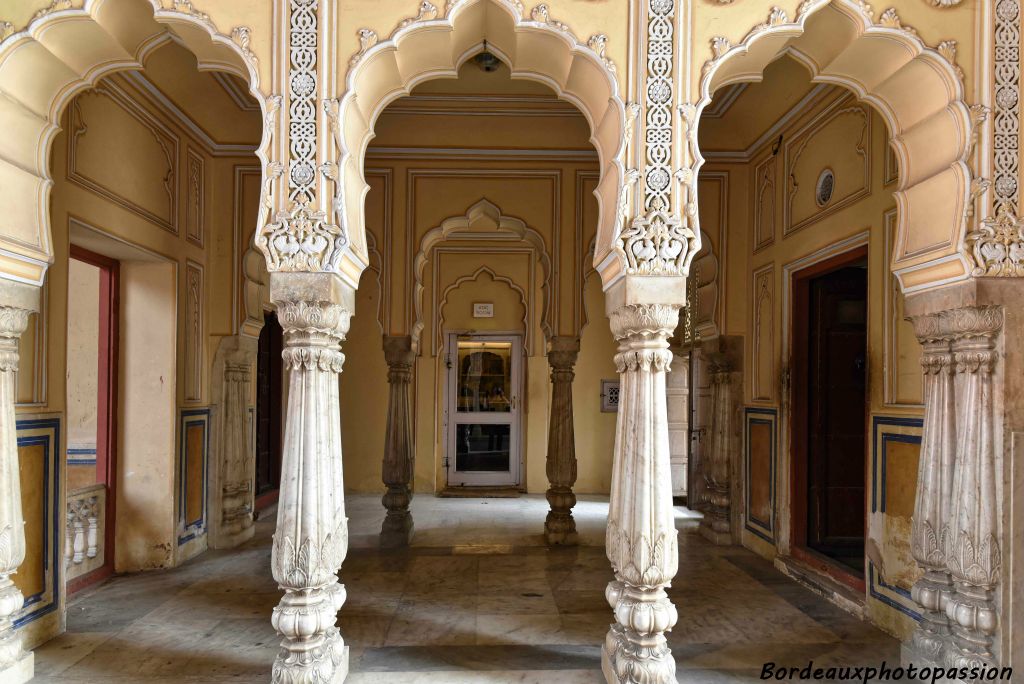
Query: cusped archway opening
x,y
62,52
914,88
533,49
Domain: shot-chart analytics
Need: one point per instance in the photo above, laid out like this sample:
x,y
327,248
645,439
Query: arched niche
x,y
436,46
915,89
483,222
57,55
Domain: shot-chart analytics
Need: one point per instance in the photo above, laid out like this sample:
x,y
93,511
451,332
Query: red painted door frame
x,y
106,405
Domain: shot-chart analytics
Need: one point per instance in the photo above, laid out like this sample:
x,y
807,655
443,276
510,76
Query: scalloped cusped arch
x,y
426,49
916,90
43,66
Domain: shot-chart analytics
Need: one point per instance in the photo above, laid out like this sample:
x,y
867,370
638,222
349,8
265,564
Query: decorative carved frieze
x,y
302,239
659,105
657,244
997,247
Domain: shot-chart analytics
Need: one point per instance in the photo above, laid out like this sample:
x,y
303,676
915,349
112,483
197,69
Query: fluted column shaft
x,y
641,535
237,487
954,532
311,539
398,445
972,536
933,498
560,527
716,525
16,665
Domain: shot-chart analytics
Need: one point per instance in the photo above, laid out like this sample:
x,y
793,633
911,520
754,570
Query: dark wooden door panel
x,y
836,421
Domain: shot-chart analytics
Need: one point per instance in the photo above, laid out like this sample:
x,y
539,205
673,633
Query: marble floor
x,y
477,599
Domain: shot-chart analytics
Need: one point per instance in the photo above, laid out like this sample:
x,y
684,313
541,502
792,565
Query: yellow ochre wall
x,y
436,156
773,223
134,182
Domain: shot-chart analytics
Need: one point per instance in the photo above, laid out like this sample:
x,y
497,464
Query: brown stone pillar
x,y
560,528
398,450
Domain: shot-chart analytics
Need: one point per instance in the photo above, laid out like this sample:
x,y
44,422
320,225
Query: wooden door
x,y
837,415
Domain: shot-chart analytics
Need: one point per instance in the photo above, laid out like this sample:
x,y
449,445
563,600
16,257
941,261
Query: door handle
x,y
514,401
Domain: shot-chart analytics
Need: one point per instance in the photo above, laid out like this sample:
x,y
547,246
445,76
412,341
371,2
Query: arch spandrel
x,y
65,46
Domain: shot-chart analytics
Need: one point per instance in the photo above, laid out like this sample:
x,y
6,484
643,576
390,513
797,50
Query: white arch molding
x,y
482,222
916,90
431,46
58,55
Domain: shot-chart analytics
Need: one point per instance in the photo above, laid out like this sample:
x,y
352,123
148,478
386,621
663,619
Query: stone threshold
x,y
823,585
480,493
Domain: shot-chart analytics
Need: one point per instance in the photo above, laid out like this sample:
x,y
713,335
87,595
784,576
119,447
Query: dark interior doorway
x,y
830,414
269,391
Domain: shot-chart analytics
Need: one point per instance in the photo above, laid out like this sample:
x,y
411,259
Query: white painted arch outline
x,y
60,54
930,124
436,48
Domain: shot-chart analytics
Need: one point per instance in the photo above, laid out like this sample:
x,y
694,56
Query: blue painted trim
x,y
765,530
887,600
72,451
51,514
192,529
876,422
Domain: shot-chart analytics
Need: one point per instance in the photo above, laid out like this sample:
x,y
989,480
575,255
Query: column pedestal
x,y
398,445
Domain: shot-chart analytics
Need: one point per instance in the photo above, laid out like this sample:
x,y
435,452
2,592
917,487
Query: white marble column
x,y
17,301
311,539
933,498
716,525
972,533
641,536
560,527
398,445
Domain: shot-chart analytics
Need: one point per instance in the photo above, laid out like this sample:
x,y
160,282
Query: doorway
x,y
269,391
91,400
830,403
482,446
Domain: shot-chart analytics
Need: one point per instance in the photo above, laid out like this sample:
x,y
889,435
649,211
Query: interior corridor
x,y
458,606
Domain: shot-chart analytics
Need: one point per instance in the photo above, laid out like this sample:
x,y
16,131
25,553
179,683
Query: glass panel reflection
x,y
484,377
482,447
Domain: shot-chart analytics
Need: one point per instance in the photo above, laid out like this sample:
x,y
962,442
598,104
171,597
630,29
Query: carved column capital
x,y
563,351
13,322
644,322
400,357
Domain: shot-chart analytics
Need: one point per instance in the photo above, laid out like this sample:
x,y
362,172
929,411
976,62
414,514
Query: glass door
x,y
483,407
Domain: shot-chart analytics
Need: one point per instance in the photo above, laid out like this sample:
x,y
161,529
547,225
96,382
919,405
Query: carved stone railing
x,y
83,533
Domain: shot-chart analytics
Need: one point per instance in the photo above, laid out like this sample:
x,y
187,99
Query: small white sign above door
x,y
483,310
